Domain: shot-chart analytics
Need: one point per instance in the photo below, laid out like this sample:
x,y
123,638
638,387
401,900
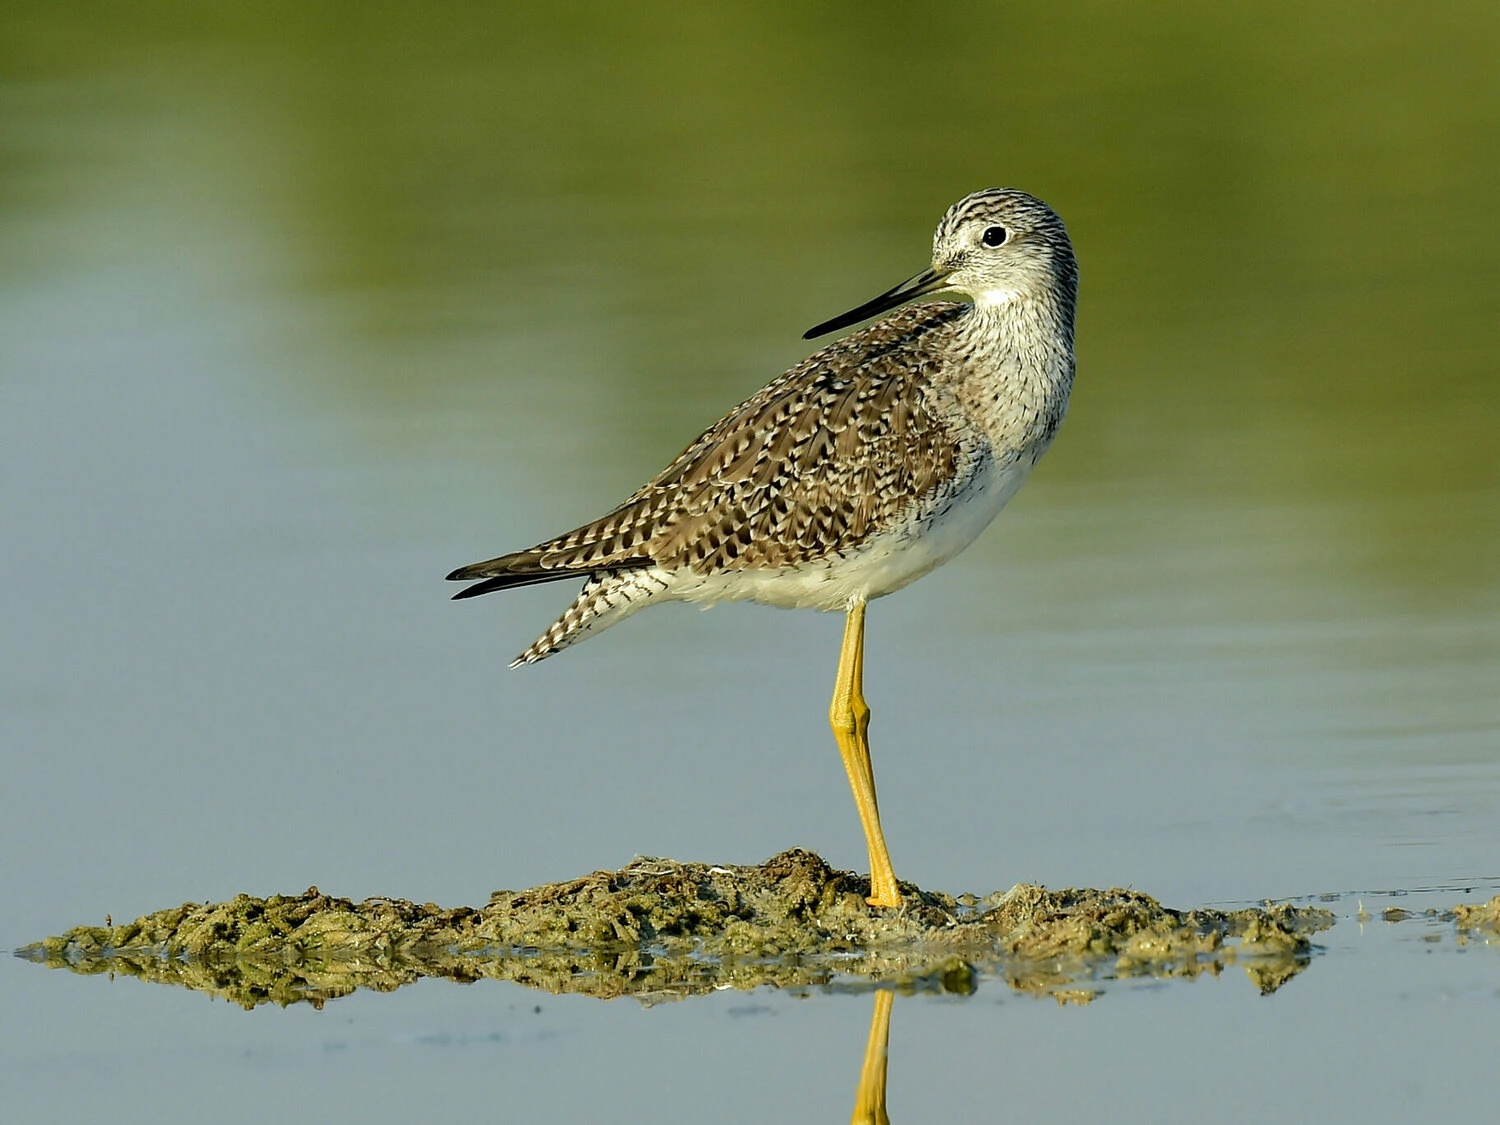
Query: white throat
x,y
995,298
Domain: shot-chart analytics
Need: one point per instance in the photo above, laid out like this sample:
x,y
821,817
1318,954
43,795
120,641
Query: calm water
x,y
298,311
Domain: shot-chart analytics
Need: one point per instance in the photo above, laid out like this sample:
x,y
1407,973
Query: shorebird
x,y
858,471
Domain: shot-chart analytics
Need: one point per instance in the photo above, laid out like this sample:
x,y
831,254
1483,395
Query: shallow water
x,y
298,313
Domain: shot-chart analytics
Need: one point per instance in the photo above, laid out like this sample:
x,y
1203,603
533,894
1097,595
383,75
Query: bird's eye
x,y
994,236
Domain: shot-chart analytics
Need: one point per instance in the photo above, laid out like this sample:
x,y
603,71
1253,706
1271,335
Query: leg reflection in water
x,y
869,1099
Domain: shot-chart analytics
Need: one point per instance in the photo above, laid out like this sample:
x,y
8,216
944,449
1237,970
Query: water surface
x,y
300,309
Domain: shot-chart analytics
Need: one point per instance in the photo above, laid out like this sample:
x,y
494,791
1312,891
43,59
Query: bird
x,y
864,467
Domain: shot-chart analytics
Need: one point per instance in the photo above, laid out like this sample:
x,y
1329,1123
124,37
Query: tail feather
x,y
607,597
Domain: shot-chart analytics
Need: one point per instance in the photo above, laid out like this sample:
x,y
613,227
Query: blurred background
x,y
304,304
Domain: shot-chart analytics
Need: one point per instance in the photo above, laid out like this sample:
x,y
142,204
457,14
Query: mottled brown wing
x,y
841,446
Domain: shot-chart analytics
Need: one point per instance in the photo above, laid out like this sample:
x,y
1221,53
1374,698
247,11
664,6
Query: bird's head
x,y
994,246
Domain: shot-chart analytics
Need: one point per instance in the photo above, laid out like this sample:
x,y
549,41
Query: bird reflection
x,y
869,1097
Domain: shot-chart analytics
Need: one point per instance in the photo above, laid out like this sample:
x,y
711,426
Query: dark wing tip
x,y
478,588
521,565
529,575
493,582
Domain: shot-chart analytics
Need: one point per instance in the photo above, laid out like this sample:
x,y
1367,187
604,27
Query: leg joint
x,y
848,716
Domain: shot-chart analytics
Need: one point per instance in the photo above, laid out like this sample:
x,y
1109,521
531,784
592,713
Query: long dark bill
x,y
927,281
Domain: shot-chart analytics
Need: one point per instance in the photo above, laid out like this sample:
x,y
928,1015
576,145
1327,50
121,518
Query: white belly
x,y
880,566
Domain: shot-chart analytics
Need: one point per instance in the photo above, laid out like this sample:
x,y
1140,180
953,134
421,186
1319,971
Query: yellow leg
x,y
849,716
869,1099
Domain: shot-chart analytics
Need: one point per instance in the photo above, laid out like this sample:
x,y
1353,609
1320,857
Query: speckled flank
x,y
863,467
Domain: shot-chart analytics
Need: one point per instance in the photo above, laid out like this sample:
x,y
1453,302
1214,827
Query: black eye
x,y
994,236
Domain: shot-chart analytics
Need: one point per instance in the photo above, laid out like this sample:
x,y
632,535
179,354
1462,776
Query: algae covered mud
x,y
658,930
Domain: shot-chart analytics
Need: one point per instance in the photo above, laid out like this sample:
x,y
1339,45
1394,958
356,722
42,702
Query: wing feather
x,y
825,456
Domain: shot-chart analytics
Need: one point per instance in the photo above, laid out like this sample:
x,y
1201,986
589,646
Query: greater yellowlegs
x,y
862,468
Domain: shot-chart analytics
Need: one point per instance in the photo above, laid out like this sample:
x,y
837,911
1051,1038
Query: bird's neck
x,y
1006,319
1020,366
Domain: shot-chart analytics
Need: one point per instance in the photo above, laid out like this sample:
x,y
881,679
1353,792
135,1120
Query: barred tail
x,y
607,597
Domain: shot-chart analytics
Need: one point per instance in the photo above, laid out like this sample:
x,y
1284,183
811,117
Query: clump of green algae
x,y
658,929
1482,919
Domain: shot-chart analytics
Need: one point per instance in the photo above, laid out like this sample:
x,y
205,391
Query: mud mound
x,y
658,929
1483,919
